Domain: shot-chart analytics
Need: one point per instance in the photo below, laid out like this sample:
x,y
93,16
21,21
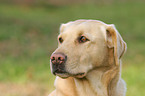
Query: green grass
x,y
28,35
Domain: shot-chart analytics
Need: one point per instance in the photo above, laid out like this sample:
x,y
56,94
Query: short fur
x,y
99,58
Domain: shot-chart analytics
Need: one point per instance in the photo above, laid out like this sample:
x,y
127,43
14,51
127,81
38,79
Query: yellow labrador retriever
x,y
87,61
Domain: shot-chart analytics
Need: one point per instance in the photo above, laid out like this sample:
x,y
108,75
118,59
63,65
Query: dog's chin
x,y
80,75
66,75
62,75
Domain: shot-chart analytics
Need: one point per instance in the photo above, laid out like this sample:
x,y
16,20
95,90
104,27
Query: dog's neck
x,y
101,83
98,82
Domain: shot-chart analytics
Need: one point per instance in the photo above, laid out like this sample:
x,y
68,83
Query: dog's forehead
x,y
92,27
85,23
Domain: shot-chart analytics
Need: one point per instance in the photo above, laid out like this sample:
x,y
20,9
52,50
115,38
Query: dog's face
x,y
83,46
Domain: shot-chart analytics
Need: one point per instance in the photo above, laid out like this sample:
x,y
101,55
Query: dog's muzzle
x,y
58,63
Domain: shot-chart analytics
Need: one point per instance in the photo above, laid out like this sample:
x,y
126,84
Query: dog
x,y
87,61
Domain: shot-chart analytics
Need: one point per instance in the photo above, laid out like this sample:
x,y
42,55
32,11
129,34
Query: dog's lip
x,y
59,72
62,75
66,75
80,75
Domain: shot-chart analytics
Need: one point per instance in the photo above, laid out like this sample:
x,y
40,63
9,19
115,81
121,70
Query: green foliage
x,y
28,36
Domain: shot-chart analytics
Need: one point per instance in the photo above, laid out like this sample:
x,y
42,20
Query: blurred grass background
x,y
28,36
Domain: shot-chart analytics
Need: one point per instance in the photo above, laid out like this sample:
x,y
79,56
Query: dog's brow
x,y
61,35
80,33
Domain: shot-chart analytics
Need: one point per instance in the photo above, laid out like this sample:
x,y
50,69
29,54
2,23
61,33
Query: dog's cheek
x,y
86,60
93,55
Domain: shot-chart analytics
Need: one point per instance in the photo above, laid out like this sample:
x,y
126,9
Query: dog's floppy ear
x,y
115,41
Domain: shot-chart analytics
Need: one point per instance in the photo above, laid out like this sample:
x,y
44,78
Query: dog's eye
x,y
60,40
83,39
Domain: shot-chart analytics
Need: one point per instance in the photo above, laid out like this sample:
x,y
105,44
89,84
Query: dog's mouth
x,y
80,75
61,72
66,75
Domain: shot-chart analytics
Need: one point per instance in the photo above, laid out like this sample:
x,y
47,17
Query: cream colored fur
x,y
99,58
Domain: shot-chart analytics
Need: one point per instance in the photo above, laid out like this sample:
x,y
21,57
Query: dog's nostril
x,y
53,58
59,58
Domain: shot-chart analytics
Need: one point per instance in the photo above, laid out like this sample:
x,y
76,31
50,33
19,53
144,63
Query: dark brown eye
x,y
83,39
60,40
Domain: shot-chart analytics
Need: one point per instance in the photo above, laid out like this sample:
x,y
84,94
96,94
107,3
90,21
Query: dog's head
x,y
85,45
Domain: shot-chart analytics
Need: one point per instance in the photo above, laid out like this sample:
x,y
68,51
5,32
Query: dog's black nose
x,y
58,62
